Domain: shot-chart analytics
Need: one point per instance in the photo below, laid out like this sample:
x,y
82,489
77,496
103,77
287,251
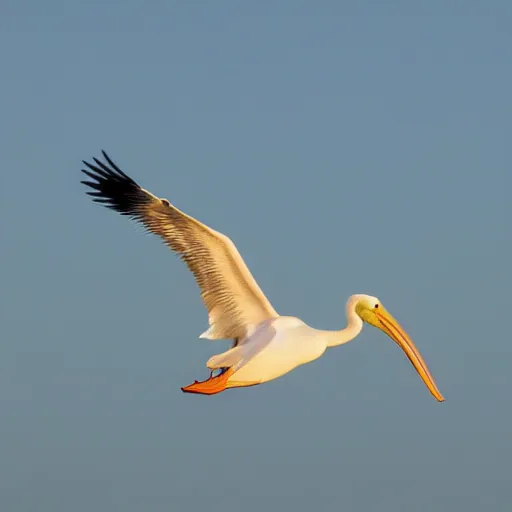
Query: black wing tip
x,y
111,186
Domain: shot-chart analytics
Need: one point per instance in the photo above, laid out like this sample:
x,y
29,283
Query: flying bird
x,y
265,345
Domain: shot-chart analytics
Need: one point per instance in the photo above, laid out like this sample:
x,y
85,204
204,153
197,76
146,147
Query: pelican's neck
x,y
353,328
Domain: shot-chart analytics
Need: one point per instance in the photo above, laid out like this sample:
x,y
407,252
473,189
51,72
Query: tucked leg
x,y
210,386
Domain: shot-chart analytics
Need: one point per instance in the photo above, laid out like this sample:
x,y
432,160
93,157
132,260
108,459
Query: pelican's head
x,y
371,311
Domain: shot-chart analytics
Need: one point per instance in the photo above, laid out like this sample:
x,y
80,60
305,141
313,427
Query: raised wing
x,y
233,299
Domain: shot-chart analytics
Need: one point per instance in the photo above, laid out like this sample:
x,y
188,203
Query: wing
x,y
233,299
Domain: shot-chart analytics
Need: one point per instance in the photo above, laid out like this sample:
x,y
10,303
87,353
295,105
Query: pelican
x,y
265,345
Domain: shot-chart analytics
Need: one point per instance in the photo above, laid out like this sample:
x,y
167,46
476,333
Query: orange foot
x,y
210,386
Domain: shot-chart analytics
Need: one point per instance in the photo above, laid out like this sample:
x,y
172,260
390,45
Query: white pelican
x,y
265,344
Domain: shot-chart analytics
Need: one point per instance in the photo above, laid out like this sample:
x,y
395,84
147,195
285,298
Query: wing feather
x,y
233,299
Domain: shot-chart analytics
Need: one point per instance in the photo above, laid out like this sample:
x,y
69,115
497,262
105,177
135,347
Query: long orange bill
x,y
393,329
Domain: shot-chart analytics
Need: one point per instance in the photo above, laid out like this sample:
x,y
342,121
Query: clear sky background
x,y
346,147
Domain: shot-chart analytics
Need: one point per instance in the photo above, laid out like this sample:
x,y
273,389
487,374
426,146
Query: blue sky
x,y
346,147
